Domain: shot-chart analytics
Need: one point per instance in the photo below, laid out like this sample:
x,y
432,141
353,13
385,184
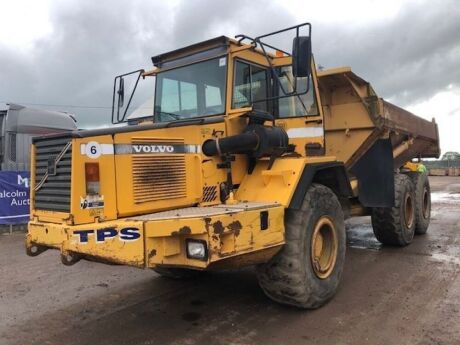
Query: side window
x,y
250,86
179,96
259,86
170,96
188,98
242,89
2,117
213,98
302,105
13,147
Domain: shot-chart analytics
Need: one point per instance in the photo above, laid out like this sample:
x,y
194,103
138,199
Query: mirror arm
x,y
272,68
116,117
132,94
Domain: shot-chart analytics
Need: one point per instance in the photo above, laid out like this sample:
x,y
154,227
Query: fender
x,y
331,174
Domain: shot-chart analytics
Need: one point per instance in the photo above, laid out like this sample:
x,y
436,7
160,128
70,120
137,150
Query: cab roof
x,y
215,45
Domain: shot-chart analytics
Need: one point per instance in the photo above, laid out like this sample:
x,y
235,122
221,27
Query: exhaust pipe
x,y
257,141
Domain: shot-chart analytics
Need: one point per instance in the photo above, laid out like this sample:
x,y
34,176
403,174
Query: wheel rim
x,y
408,211
426,207
324,248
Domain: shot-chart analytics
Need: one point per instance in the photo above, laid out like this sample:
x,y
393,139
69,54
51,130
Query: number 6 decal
x,y
93,149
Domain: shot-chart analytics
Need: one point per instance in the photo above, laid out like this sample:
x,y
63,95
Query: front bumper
x,y
242,234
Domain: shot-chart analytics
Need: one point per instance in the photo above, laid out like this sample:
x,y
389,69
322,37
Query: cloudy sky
x,y
64,54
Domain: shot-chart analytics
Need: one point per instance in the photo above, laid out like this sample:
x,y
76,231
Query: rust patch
x,y
235,227
207,223
185,230
218,227
112,260
152,253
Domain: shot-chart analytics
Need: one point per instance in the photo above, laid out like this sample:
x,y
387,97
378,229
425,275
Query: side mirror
x,y
301,56
121,92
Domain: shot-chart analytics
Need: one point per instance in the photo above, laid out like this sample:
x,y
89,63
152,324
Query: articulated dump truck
x,y
248,156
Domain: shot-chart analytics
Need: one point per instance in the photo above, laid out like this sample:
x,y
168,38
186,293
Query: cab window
x,y
250,86
179,96
191,91
294,106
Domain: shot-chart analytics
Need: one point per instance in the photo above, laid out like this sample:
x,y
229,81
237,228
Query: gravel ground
x,y
388,296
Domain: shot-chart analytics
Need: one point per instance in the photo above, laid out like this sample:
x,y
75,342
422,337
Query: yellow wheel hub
x,y
408,211
426,203
324,247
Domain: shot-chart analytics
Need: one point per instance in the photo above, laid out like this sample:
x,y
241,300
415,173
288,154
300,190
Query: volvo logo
x,y
153,149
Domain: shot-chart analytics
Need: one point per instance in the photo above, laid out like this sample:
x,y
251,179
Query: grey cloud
x,y
406,58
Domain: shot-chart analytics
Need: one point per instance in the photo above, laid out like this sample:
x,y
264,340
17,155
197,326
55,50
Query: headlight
x,y
196,249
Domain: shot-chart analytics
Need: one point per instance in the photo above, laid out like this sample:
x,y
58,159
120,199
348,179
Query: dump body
x,y
355,118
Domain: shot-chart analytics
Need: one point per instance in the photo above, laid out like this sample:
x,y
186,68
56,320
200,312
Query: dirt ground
x,y
388,296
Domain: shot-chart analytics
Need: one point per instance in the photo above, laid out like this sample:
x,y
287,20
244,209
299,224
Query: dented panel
x,y
227,234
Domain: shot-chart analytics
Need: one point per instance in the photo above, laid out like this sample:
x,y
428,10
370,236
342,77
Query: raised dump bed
x,y
355,118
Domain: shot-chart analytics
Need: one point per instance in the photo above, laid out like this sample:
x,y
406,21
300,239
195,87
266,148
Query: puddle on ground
x,y
360,235
445,258
445,198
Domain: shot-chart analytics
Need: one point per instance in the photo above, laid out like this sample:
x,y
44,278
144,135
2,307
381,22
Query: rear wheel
x,y
422,201
306,272
396,225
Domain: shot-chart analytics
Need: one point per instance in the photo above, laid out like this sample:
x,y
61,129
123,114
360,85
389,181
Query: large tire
x,y
307,270
422,201
395,226
177,273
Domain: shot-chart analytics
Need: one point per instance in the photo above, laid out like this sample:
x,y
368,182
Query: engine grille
x,y
158,176
54,193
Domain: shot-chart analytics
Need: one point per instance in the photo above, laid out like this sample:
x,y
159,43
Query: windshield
x,y
191,91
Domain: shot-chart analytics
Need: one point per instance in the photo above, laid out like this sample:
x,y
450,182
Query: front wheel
x,y
306,272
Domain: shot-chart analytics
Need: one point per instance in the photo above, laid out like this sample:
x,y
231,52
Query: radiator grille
x,y
158,176
54,193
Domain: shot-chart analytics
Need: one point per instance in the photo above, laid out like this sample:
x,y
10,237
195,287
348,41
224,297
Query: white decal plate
x,y
305,132
94,150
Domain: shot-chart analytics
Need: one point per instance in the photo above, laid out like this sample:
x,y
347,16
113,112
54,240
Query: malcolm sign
x,y
14,197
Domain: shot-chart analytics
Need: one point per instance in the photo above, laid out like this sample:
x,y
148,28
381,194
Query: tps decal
x,y
101,235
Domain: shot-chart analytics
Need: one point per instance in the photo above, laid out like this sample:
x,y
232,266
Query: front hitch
x,y
33,249
70,258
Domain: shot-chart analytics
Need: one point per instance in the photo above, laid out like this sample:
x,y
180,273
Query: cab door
x,y
300,115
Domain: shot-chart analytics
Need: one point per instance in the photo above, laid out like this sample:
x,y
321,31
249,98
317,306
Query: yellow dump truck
x,y
248,156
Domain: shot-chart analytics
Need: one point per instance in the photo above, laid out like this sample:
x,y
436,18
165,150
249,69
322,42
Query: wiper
x,y
186,121
174,116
